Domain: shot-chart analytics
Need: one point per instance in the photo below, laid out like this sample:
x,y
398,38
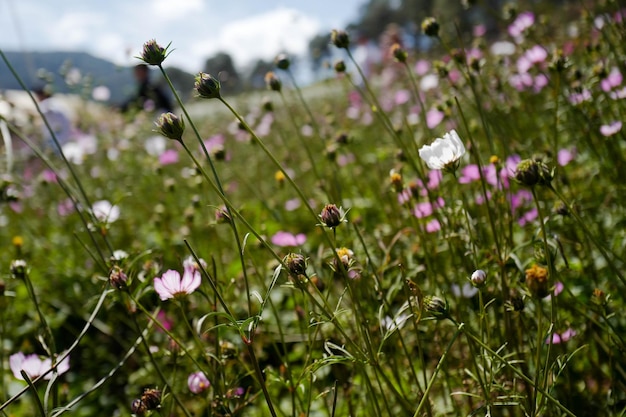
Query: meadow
x,y
445,236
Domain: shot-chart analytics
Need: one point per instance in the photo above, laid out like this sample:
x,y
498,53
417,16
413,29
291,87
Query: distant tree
x,y
319,50
182,80
221,66
375,16
256,79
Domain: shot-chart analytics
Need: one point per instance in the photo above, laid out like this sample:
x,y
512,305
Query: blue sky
x,y
116,29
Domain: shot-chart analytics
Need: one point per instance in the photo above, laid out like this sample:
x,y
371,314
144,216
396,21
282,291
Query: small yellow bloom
x,y
494,160
537,280
279,176
18,241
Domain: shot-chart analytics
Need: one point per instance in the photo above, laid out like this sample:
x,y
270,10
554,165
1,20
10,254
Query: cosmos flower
x,y
288,239
198,382
443,153
104,211
35,366
557,338
611,128
171,285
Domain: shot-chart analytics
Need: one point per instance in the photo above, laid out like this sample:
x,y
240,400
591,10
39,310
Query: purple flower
x,y
577,98
168,157
402,96
171,285
528,217
287,239
611,128
198,382
34,366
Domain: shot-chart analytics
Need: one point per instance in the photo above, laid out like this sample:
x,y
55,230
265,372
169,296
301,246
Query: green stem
x,y
260,378
31,386
588,233
431,382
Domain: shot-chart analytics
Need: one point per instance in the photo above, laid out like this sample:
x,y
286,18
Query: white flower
x,y
104,211
443,153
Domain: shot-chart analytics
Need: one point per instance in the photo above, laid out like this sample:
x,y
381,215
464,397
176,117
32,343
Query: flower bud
x,y
19,268
478,278
340,67
118,278
282,62
153,53
331,216
137,407
537,281
398,52
340,39
430,27
436,306
599,297
296,264
171,126
151,398
207,86
531,172
272,81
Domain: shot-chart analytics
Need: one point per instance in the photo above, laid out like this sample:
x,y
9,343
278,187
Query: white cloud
x,y
261,36
74,29
167,10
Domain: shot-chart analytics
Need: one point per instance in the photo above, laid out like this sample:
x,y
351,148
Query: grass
x,y
369,302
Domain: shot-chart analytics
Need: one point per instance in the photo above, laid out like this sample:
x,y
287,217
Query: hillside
x,y
37,68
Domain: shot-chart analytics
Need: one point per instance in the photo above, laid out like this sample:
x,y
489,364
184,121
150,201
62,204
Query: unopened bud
x,y
296,264
478,278
153,53
19,268
272,81
171,126
207,86
282,62
436,306
531,172
340,39
430,27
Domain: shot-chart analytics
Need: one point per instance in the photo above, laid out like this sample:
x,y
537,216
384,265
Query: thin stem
x,y
431,382
31,386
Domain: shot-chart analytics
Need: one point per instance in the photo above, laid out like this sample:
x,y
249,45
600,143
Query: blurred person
x,y
57,115
149,96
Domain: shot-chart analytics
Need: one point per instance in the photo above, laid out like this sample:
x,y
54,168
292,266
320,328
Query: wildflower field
x,y
446,237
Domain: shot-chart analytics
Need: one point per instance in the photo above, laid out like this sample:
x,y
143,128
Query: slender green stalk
x,y
260,378
590,236
37,400
431,382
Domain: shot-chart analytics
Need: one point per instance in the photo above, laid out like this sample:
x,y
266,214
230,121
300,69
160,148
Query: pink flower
x,y
433,118
577,98
168,157
287,239
522,22
171,285
49,176
565,156
402,96
614,79
198,382
557,338
469,173
433,226
611,128
291,205
528,217
34,366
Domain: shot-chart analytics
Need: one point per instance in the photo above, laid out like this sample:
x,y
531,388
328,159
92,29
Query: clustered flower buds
x,y
531,172
171,126
340,39
153,53
207,86
430,27
272,81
